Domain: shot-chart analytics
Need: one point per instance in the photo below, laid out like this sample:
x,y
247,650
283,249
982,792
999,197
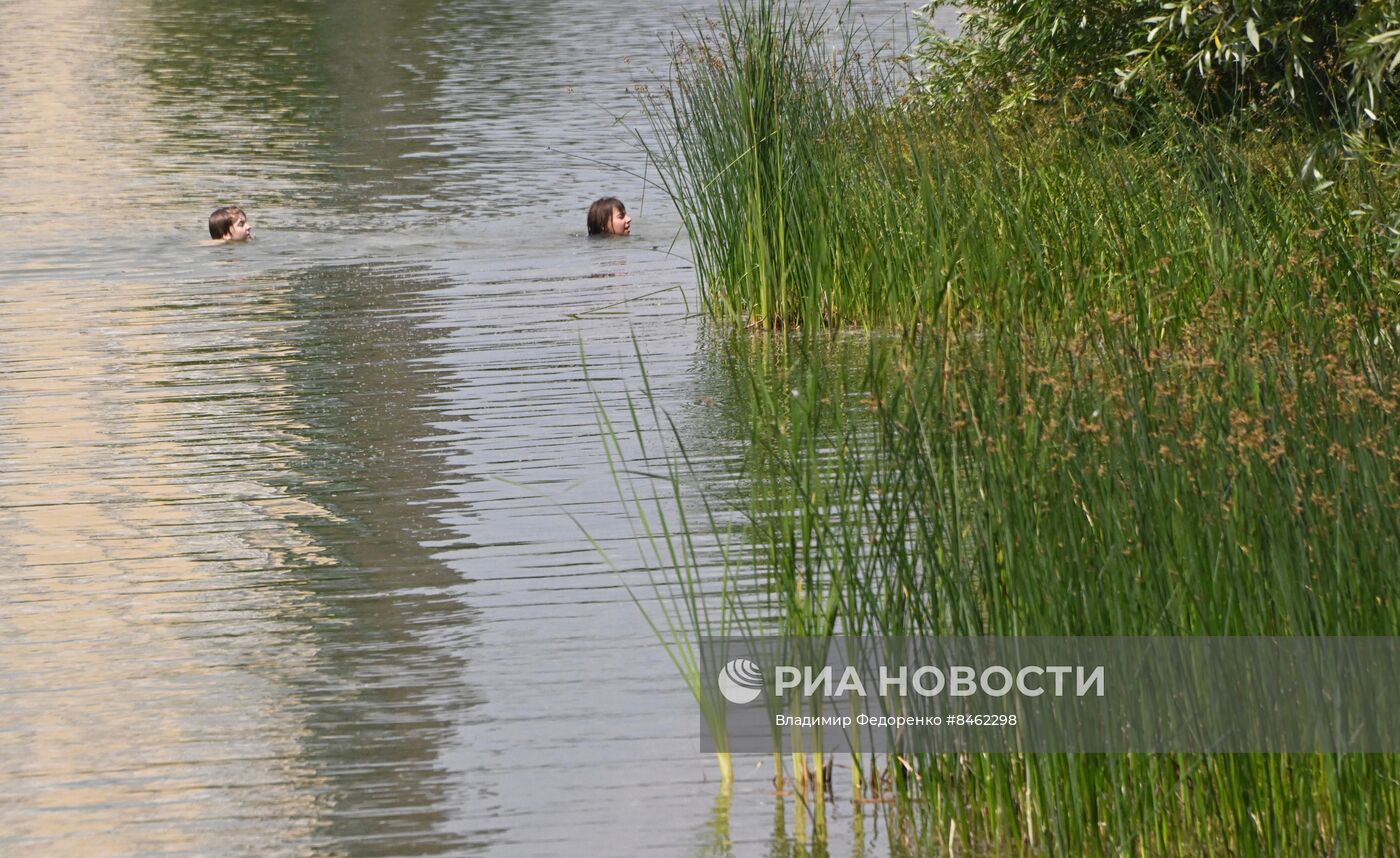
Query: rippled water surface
x,y
300,539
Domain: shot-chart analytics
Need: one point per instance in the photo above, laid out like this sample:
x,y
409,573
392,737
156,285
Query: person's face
x,y
619,223
241,229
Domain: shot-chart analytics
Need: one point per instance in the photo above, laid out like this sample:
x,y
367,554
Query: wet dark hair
x,y
223,219
601,212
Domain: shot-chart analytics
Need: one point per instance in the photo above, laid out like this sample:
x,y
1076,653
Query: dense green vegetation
x,y
1025,486
1129,368
815,193
1334,64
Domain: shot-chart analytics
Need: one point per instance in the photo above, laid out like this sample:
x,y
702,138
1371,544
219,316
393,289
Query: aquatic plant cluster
x,y
1067,371
816,193
1014,487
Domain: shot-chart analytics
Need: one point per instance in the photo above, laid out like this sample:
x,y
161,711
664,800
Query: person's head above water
x,y
229,223
608,216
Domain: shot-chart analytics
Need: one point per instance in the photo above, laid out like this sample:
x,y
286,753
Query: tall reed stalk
x,y
1125,379
815,191
1232,484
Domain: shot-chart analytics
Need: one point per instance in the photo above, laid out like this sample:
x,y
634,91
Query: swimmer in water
x,y
229,223
608,216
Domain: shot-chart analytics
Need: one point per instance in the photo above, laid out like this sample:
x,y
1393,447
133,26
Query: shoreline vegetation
x,y
1107,351
819,189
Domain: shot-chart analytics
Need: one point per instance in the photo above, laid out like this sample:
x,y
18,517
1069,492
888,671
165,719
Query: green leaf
x,y
1252,32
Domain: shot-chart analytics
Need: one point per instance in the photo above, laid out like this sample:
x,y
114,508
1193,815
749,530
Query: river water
x,y
310,546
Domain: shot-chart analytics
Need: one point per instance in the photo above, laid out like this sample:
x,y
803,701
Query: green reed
x,y
1144,382
816,192
1218,484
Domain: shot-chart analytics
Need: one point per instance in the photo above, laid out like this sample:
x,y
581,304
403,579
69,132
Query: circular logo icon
x,y
741,681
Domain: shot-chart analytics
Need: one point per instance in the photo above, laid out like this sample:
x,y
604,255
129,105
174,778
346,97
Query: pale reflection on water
x,y
290,549
214,572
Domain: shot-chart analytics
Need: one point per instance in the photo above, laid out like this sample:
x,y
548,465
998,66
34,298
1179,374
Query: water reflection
x,y
341,99
390,630
217,600
362,115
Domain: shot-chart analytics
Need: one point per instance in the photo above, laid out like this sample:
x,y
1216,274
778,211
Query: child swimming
x,y
608,216
229,223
